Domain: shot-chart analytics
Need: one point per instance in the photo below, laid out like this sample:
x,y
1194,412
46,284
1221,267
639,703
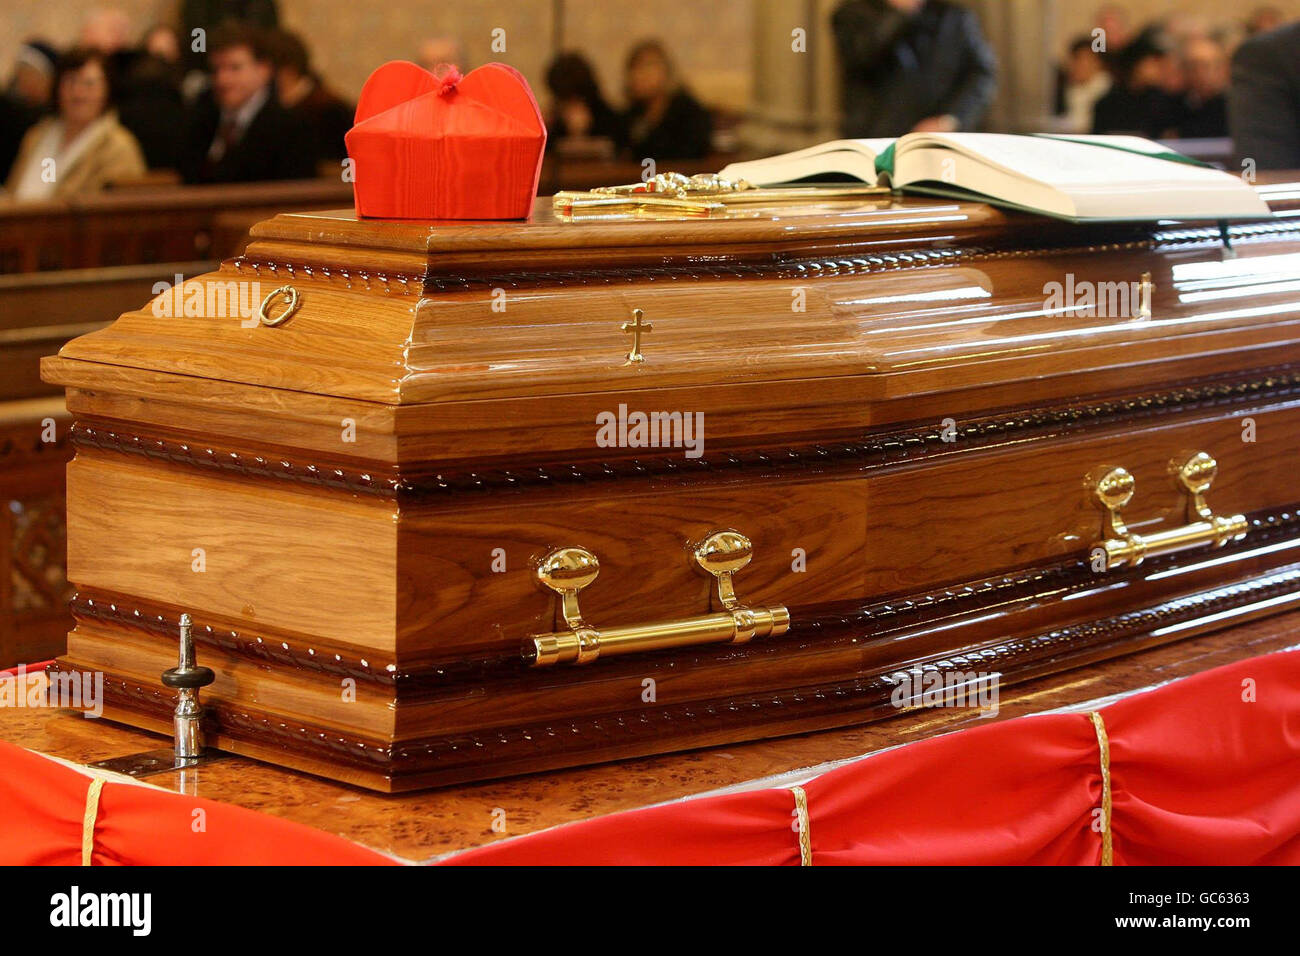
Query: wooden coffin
x,y
911,416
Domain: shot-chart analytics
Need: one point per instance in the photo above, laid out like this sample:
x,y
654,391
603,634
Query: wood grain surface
x,y
283,556
921,432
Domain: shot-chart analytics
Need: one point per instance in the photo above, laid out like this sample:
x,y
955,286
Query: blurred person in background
x,y
106,29
1113,21
1142,101
1204,110
238,131
32,81
1081,81
209,15
663,119
1264,99
912,66
1264,19
302,92
26,98
163,43
83,148
151,105
580,120
149,101
1182,27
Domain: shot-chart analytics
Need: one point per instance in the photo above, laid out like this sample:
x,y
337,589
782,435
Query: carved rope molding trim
x,y
869,696
776,267
875,449
825,628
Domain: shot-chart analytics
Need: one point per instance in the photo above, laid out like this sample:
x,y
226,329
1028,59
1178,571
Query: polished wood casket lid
x,y
864,302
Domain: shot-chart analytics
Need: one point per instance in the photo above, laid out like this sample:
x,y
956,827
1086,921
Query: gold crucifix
x,y
636,327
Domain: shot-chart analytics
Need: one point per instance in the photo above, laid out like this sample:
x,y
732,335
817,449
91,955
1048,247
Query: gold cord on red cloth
x,y
801,821
1103,745
88,820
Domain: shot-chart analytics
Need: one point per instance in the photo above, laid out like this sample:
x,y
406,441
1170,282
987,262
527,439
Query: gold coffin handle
x,y
567,571
291,299
1194,476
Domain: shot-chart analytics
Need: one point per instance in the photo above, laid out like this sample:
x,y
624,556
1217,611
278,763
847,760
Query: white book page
x,y
1135,143
946,167
1091,182
856,157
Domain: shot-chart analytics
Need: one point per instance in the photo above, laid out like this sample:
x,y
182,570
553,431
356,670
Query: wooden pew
x,y
42,310
151,224
35,236
146,224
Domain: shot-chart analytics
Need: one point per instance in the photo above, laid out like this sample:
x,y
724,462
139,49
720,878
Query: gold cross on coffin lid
x,y
704,194
636,327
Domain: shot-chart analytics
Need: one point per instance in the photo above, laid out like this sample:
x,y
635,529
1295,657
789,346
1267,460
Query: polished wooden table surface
x,y
423,826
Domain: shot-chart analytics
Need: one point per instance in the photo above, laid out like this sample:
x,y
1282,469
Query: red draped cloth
x,y
42,822
1202,770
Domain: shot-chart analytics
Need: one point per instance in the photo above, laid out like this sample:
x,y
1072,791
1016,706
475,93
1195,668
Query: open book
x,y
1085,178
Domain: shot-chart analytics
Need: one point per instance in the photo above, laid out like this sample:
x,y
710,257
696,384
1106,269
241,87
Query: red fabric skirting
x,y
43,805
1204,770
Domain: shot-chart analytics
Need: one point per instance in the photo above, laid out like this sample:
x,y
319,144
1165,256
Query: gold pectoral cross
x,y
636,327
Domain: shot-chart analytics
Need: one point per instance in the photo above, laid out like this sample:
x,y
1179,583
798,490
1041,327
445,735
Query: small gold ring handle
x,y
1194,475
291,300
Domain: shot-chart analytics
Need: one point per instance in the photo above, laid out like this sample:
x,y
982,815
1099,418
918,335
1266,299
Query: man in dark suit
x,y
912,65
239,132
1264,99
